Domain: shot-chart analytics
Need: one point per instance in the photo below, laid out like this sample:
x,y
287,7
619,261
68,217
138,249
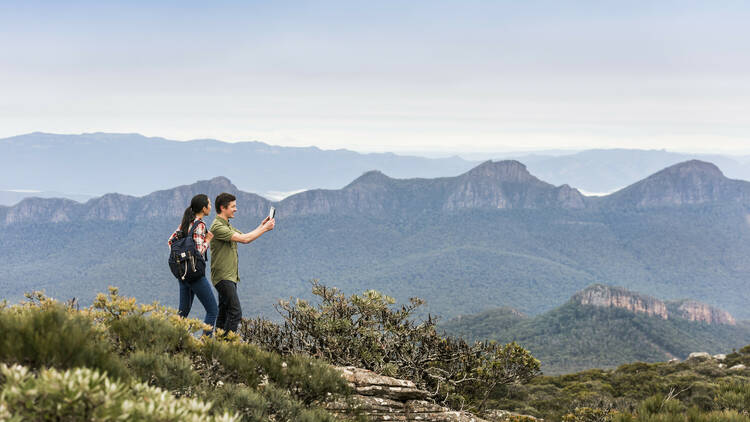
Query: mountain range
x,y
94,163
84,166
604,326
493,236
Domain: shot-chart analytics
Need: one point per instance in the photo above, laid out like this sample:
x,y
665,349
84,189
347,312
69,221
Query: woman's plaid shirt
x,y
199,236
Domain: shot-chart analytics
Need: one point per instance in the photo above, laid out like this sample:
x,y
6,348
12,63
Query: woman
x,y
200,206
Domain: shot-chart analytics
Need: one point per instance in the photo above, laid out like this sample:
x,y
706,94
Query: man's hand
x,y
268,224
209,236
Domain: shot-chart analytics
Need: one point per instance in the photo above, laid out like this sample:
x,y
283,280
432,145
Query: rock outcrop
x,y
696,311
607,296
381,398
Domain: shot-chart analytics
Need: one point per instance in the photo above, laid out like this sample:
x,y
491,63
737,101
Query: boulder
x,y
673,361
368,383
739,367
379,398
720,358
699,356
506,416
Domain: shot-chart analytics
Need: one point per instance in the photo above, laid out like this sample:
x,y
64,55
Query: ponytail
x,y
196,205
187,218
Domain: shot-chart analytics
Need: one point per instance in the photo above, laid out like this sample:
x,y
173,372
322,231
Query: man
x,y
224,261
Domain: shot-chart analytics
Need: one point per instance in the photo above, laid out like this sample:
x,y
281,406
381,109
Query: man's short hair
x,y
223,200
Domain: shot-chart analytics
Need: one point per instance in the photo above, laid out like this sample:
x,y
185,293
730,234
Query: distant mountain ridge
x,y
491,185
91,164
604,171
98,163
117,207
496,185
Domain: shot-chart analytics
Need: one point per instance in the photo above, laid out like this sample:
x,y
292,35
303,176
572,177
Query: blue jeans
x,y
202,289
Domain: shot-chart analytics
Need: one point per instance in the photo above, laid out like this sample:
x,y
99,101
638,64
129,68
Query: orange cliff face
x,y
606,296
696,311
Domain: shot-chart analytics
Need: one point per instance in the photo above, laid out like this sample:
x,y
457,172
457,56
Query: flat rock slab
x,y
368,383
376,409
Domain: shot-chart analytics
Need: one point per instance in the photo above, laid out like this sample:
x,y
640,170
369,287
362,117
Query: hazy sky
x,y
380,75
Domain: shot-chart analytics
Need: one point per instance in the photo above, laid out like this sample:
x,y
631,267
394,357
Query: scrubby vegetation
x,y
575,337
144,363
694,390
364,331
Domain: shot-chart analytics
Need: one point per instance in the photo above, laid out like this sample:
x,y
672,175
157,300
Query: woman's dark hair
x,y
197,204
223,200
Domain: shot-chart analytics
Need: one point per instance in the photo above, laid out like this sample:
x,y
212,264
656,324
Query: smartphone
x,y
272,213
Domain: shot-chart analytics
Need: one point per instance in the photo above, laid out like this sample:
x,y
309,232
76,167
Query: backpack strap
x,y
192,232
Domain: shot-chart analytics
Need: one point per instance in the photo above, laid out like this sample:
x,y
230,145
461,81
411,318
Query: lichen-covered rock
x,y
380,398
699,356
506,416
368,383
739,367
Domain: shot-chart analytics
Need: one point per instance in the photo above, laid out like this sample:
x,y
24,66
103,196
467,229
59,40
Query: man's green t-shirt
x,y
224,261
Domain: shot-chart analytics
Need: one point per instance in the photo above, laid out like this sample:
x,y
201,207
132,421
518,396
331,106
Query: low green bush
x,y
309,380
140,332
85,394
734,394
170,372
52,336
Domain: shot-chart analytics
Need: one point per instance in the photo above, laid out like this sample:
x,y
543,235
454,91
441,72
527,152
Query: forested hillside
x,y
579,335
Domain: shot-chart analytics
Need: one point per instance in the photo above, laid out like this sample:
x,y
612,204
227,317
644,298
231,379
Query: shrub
x,y
171,372
364,331
139,332
734,394
588,414
309,380
85,394
54,337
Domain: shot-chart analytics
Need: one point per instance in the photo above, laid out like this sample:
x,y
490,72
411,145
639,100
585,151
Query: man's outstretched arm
x,y
267,225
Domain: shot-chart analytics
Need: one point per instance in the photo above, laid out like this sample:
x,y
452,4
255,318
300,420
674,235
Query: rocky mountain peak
x,y
692,168
508,184
219,183
690,182
371,180
502,171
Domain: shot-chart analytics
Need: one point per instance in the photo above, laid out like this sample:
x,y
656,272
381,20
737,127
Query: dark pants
x,y
230,311
202,289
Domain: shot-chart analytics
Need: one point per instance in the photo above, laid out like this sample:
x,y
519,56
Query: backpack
x,y
185,262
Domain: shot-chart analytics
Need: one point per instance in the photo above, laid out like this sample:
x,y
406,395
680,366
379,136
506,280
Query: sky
x,y
429,76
